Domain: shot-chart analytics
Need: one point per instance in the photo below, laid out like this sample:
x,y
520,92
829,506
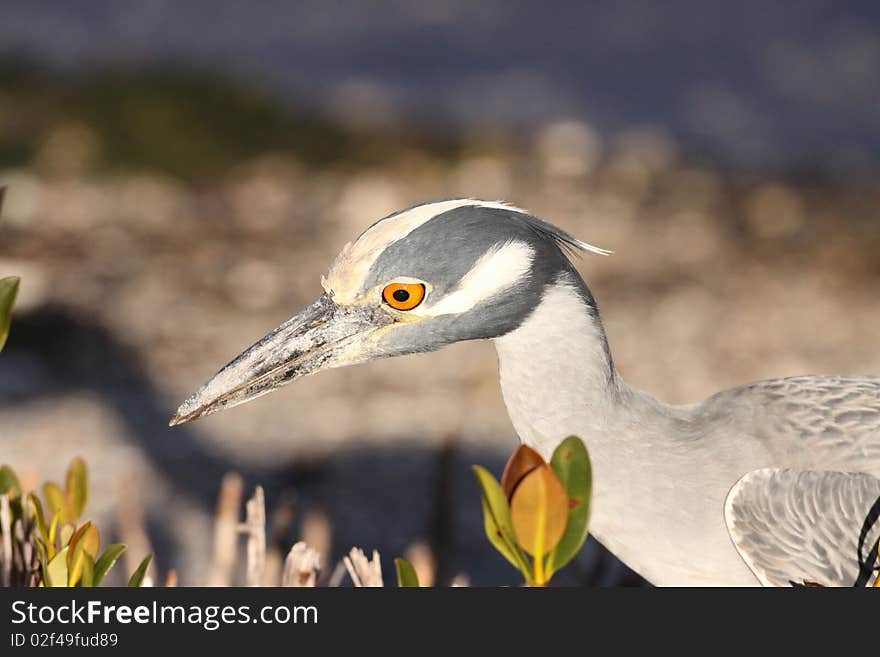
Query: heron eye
x,y
403,296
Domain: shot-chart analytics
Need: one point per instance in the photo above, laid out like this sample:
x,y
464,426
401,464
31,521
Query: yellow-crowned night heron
x,y
679,490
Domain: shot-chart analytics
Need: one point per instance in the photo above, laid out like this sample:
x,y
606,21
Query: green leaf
x,y
53,531
56,571
55,500
571,463
406,574
8,292
137,578
43,556
88,571
77,488
42,553
38,514
497,522
9,484
105,562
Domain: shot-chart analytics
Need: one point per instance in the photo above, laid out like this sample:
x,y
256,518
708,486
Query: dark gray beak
x,y
322,336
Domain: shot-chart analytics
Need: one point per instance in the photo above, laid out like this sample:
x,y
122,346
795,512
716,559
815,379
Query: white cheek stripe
x,y
347,274
496,270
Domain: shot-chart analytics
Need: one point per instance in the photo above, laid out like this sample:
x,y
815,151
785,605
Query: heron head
x,y
414,281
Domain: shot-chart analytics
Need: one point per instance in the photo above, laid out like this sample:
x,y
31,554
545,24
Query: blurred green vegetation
x,y
183,122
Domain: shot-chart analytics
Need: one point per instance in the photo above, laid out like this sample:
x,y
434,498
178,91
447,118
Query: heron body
x,y
710,493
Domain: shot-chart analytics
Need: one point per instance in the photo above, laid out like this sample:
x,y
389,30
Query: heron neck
x,y
558,379
557,374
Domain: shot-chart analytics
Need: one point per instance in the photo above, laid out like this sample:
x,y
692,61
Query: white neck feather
x,y
557,379
556,376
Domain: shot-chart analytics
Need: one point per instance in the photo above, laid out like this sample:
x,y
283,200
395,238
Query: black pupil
x,y
400,295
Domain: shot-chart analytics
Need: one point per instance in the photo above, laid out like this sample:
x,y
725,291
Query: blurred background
x,y
180,174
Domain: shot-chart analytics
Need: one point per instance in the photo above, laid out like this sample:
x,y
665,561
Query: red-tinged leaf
x,y
521,462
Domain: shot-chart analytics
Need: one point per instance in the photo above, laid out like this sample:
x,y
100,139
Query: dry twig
x,y
132,529
226,531
317,533
364,572
255,527
302,566
6,532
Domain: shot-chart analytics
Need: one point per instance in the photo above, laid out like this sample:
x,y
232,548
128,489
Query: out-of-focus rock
x,y
774,211
568,149
70,149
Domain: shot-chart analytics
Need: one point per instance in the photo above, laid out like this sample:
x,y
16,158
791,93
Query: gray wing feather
x,y
810,422
795,526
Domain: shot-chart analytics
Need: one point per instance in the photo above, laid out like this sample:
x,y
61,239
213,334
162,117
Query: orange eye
x,y
403,296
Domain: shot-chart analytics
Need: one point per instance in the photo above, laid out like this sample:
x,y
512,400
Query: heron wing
x,y
795,526
809,422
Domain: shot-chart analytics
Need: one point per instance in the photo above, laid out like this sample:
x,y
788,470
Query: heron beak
x,y
322,336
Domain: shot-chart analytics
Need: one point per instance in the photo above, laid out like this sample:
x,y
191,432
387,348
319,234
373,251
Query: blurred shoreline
x,y
752,84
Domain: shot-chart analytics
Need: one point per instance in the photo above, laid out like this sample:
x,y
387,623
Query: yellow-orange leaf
x,y
539,511
91,541
72,541
521,462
